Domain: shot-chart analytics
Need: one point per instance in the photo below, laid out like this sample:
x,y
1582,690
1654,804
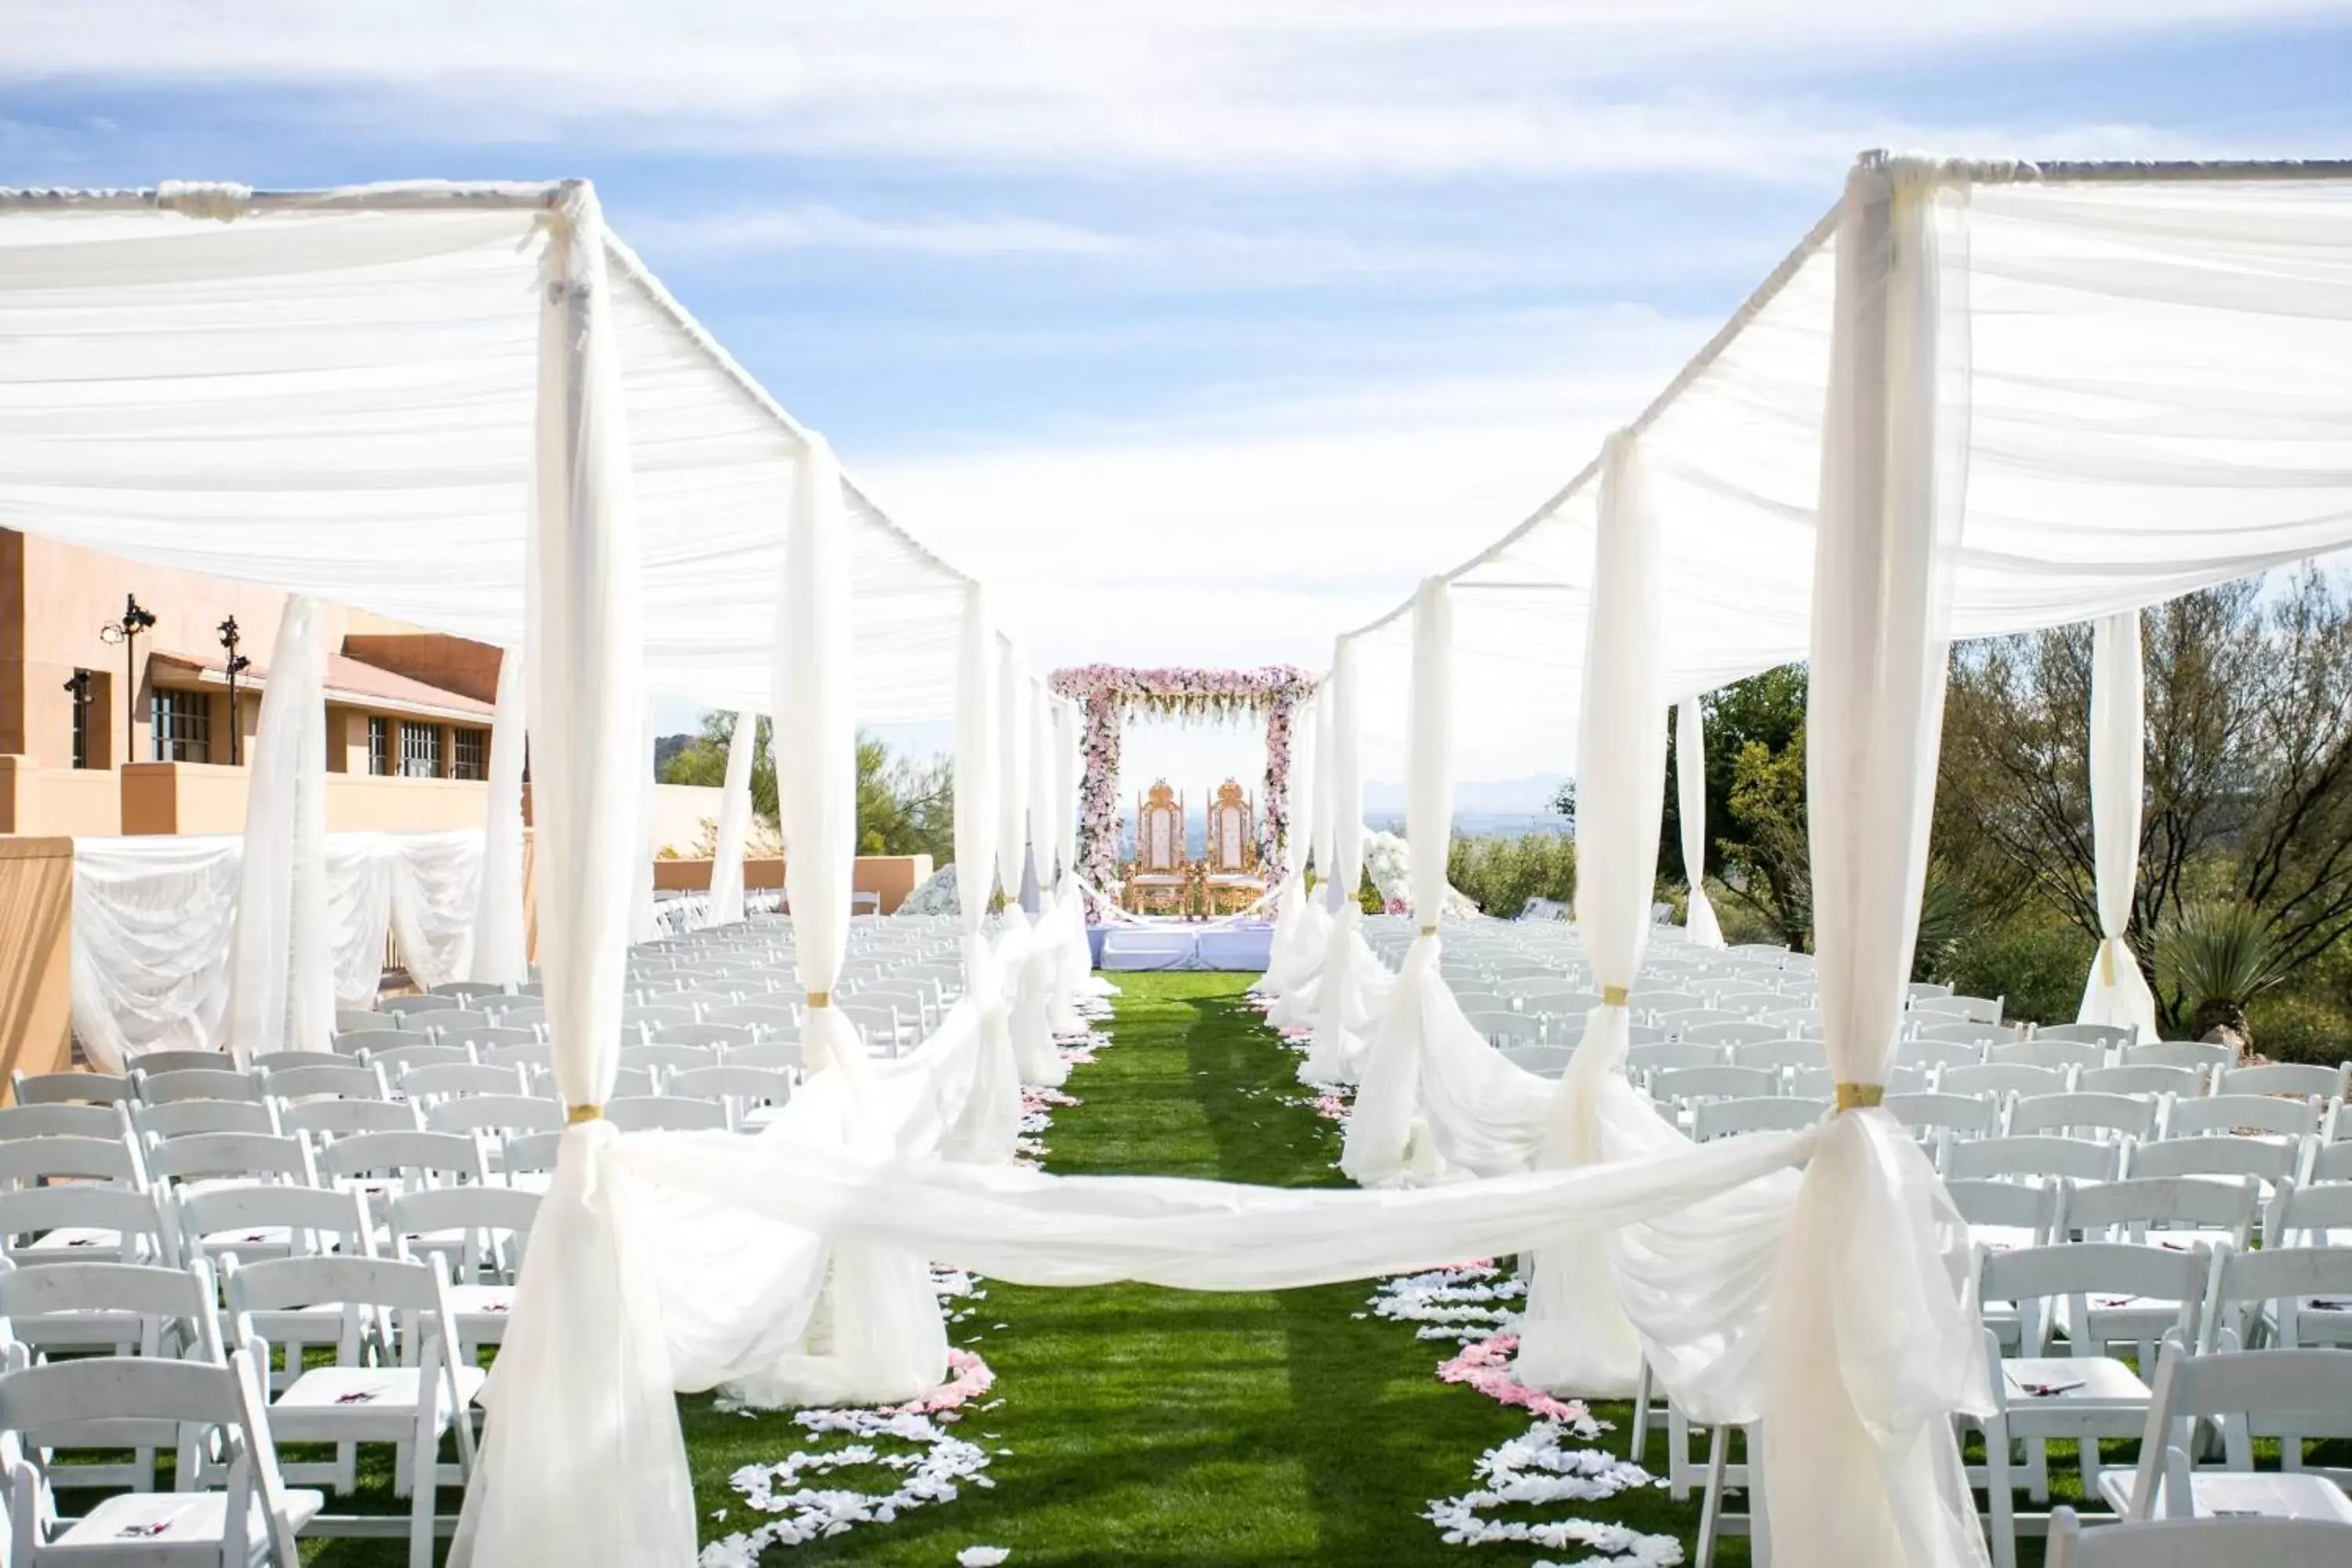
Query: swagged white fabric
x,y
2116,992
1300,936
501,955
1386,1138
1576,1337
1700,927
153,918
734,821
1346,994
281,987
978,736
1042,968
1029,987
1872,1338
643,926
2116,453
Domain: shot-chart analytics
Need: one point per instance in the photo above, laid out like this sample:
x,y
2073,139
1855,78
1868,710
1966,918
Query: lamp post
x,y
238,665
135,620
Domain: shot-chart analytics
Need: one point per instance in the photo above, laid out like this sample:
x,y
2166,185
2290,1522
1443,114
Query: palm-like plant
x,y
2218,956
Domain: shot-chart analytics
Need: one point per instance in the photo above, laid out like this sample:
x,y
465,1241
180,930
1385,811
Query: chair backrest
x,y
348,1019
1773,1113
339,1118
1673,1055
76,1214
191,1116
1774,1055
69,1088
1969,1113
428,1155
1966,1032
2308,1216
401,1058
668,1058
2197,1054
2311,1388
1160,829
2251,1114
2197,1542
529,1153
63,1121
2083,1273
2081,1055
2016,1206
440,1081
1712,1083
237,1157
493,1225
180,1296
454,1025
784,1056
1974,1009
2001,1077
523,1015
154,1063
1746,1032
2078,1159
2271,1078
661,1112
713,1037
195,1083
732,1082
1228,842
485,1041
494,1113
246,1220
268,1062
256,1292
2143,1079
2120,1113
27,1161
2127,1210
1927,1052
529,1057
2214,1155
2284,1279
2108,1036
767,1019
344,1080
358,1042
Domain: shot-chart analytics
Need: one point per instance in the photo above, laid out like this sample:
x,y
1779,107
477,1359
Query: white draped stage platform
x,y
1238,947
1978,398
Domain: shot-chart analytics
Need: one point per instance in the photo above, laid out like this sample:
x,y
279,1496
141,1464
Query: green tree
x,y
1767,855
905,806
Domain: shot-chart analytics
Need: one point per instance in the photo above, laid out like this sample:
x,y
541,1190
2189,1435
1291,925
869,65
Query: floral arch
x,y
1109,693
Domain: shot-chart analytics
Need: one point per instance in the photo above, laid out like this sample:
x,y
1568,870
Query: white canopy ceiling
x,y
333,394
2158,397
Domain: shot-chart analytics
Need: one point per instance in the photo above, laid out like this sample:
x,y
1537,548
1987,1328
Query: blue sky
x,y
1220,321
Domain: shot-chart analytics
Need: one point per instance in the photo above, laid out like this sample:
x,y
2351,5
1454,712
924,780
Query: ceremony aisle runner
x,y
1132,1422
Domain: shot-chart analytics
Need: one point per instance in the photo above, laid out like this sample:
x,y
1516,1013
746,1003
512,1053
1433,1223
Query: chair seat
x,y
189,1524
330,1402
82,1243
2087,1384
482,1311
2004,1237
1236,880
1156,879
2220,1494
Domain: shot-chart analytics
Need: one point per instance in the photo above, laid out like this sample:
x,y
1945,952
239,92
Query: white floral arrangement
x,y
1388,860
936,896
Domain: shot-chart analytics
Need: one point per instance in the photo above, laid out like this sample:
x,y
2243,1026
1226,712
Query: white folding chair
x,y
2301,1390
2199,1543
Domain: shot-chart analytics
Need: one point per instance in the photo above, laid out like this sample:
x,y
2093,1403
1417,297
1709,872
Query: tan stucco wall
x,y
452,663
891,876
35,955
200,797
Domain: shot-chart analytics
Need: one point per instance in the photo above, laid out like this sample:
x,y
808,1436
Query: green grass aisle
x,y
1147,1425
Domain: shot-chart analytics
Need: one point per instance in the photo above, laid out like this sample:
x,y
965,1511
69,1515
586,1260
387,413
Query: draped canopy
x,y
2153,401
332,393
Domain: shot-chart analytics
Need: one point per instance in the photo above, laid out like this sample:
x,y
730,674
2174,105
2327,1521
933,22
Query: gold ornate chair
x,y
1230,872
1161,872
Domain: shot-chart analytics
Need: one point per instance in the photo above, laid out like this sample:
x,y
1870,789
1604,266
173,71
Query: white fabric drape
x,y
577,1466
978,736
643,926
1028,985
2116,992
1298,936
281,985
1577,1338
1294,985
1074,960
1699,925
1873,1344
734,821
501,955
154,917
1345,992
1385,1137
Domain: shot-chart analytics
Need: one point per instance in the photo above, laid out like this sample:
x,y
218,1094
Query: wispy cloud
x,y
755,230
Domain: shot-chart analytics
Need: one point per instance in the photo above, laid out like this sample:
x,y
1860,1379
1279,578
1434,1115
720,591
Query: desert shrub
x,y
2299,1028
1500,875
2037,959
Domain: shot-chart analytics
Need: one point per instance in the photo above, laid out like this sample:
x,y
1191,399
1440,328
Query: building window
x,y
420,750
183,722
380,747
83,716
466,749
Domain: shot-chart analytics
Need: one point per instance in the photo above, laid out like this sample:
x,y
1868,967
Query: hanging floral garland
x,y
1109,693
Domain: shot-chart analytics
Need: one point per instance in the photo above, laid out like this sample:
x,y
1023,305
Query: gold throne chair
x,y
1161,873
1230,875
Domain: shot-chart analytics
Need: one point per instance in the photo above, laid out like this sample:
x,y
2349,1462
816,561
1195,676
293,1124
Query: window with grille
x,y
380,747
420,750
183,722
466,749
82,716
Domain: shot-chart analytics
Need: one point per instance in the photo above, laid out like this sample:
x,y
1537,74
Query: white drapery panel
x,y
1699,924
1576,1337
585,1469
1295,987
642,925
1042,970
501,955
1386,1138
1873,1344
281,988
1298,937
153,918
734,821
1346,992
1028,987
1074,973
2155,408
353,379
2116,992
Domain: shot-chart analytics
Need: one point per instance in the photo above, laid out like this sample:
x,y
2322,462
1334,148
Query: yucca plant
x,y
2218,956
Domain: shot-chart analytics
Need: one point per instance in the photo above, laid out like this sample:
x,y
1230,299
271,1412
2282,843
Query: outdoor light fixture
x,y
135,620
238,665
